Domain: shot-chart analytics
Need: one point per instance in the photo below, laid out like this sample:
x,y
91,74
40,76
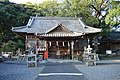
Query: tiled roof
x,y
44,24
114,35
89,29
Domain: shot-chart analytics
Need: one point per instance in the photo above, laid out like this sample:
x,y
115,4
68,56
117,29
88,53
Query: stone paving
x,y
60,71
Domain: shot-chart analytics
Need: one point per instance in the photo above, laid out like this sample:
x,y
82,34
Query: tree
x,y
12,46
6,47
100,8
11,14
79,8
113,14
48,8
4,0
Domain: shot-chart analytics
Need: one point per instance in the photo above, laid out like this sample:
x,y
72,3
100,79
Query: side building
x,y
62,37
110,42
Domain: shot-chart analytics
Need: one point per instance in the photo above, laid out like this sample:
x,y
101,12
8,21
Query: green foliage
x,y
10,15
79,8
112,17
4,0
6,47
91,21
12,46
49,8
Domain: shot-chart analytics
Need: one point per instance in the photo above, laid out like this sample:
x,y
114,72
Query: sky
x,y
24,1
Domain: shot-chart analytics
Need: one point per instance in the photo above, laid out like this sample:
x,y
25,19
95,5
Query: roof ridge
x,y
57,18
92,27
20,27
82,23
30,22
52,28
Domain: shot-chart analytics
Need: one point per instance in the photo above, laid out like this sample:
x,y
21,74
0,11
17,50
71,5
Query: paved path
x,y
60,71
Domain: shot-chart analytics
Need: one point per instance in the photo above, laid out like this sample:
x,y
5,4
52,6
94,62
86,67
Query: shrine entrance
x,y
70,48
59,49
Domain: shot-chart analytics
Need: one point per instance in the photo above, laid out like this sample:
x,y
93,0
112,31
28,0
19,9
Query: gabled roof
x,y
59,31
43,25
59,28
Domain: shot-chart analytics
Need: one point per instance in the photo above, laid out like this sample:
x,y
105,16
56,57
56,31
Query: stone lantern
x,y
31,60
88,57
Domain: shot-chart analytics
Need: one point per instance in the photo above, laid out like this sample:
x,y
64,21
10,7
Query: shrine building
x,y
62,37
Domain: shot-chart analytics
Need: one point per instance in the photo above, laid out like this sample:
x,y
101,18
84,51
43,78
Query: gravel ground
x,y
18,71
105,70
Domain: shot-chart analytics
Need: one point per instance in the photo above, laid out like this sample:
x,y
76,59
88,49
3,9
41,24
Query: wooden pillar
x,y
88,41
26,42
36,45
46,46
69,51
57,43
49,43
72,44
63,43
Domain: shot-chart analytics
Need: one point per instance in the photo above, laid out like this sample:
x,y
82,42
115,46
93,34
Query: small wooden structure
x,y
31,60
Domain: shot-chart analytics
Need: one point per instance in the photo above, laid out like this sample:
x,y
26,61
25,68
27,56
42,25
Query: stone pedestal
x,y
91,59
88,57
32,60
